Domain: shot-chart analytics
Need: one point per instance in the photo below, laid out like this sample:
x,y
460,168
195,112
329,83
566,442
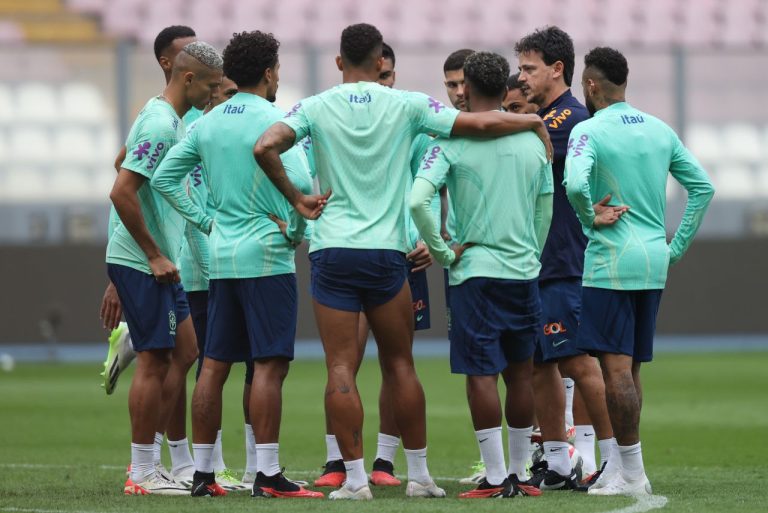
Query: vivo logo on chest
x,y
431,159
632,120
234,109
155,155
197,175
579,145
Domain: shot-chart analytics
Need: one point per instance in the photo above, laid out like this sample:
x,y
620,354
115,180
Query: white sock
x,y
218,456
250,450
631,461
519,445
605,447
417,465
180,456
158,447
570,387
332,450
556,454
356,477
203,454
585,444
387,447
267,459
492,449
142,462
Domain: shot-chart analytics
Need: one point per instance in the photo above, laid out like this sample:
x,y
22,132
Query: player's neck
x,y
257,90
554,93
174,95
359,75
484,104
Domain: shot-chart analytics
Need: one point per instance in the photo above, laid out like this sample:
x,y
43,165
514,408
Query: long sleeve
x,y
689,173
578,168
420,205
543,215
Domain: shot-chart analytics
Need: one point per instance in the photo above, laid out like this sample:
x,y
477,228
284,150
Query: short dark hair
x,y
248,55
168,35
554,45
388,53
359,42
513,82
487,72
456,60
611,63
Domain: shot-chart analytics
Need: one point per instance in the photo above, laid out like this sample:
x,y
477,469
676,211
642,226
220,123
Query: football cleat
x,y
119,356
204,485
485,490
249,476
478,475
519,488
545,479
227,479
383,473
184,476
334,475
620,486
427,490
279,486
591,479
344,493
154,485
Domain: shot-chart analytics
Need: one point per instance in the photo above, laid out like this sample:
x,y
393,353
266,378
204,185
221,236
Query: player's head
x,y
226,90
516,99
198,68
387,73
604,78
485,78
546,61
251,60
169,43
361,48
453,69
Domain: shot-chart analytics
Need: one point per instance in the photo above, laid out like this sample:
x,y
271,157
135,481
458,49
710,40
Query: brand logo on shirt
x,y
142,149
294,110
175,124
575,151
155,154
632,120
557,119
197,175
233,109
428,161
306,144
554,328
366,98
436,105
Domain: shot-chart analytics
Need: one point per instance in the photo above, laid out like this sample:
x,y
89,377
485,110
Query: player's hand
x,y
283,226
459,249
605,214
111,309
419,257
311,206
543,134
444,233
163,270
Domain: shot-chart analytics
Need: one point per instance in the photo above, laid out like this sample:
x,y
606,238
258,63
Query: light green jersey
x,y
156,129
419,148
627,153
244,242
361,139
192,115
501,193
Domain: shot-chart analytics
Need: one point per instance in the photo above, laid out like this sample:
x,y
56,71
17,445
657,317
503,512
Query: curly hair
x,y
360,42
554,45
513,82
487,72
611,63
248,55
456,60
168,35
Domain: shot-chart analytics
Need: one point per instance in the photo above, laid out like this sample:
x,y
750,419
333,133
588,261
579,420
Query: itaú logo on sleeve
x,y
554,328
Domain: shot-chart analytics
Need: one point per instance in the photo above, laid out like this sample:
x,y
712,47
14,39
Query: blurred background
x,y
74,73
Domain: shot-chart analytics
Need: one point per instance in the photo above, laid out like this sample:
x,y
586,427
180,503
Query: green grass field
x,y
64,444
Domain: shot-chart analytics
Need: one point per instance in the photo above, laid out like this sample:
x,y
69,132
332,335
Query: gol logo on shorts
x,y
554,328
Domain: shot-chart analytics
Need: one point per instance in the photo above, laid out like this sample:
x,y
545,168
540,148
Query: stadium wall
x,y
54,292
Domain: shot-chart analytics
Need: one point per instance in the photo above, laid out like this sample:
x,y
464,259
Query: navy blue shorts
x,y
152,309
420,297
619,322
198,309
353,279
560,308
492,323
251,318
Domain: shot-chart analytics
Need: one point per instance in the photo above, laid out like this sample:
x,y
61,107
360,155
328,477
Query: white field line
x,y
643,504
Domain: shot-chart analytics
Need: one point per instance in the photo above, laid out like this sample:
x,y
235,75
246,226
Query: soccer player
x,y
626,155
516,100
140,262
252,295
388,438
546,62
494,302
362,133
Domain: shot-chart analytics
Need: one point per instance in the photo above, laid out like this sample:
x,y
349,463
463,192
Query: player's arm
x,y
542,218
125,198
688,172
196,239
297,169
120,158
494,124
277,139
421,211
169,177
578,168
444,213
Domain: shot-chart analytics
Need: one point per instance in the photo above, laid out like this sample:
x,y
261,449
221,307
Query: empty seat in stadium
x,y
89,6
10,32
7,108
24,184
705,142
30,145
734,182
36,101
741,142
73,145
81,101
762,181
70,183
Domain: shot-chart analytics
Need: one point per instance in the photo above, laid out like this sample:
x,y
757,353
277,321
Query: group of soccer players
x,y
550,226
